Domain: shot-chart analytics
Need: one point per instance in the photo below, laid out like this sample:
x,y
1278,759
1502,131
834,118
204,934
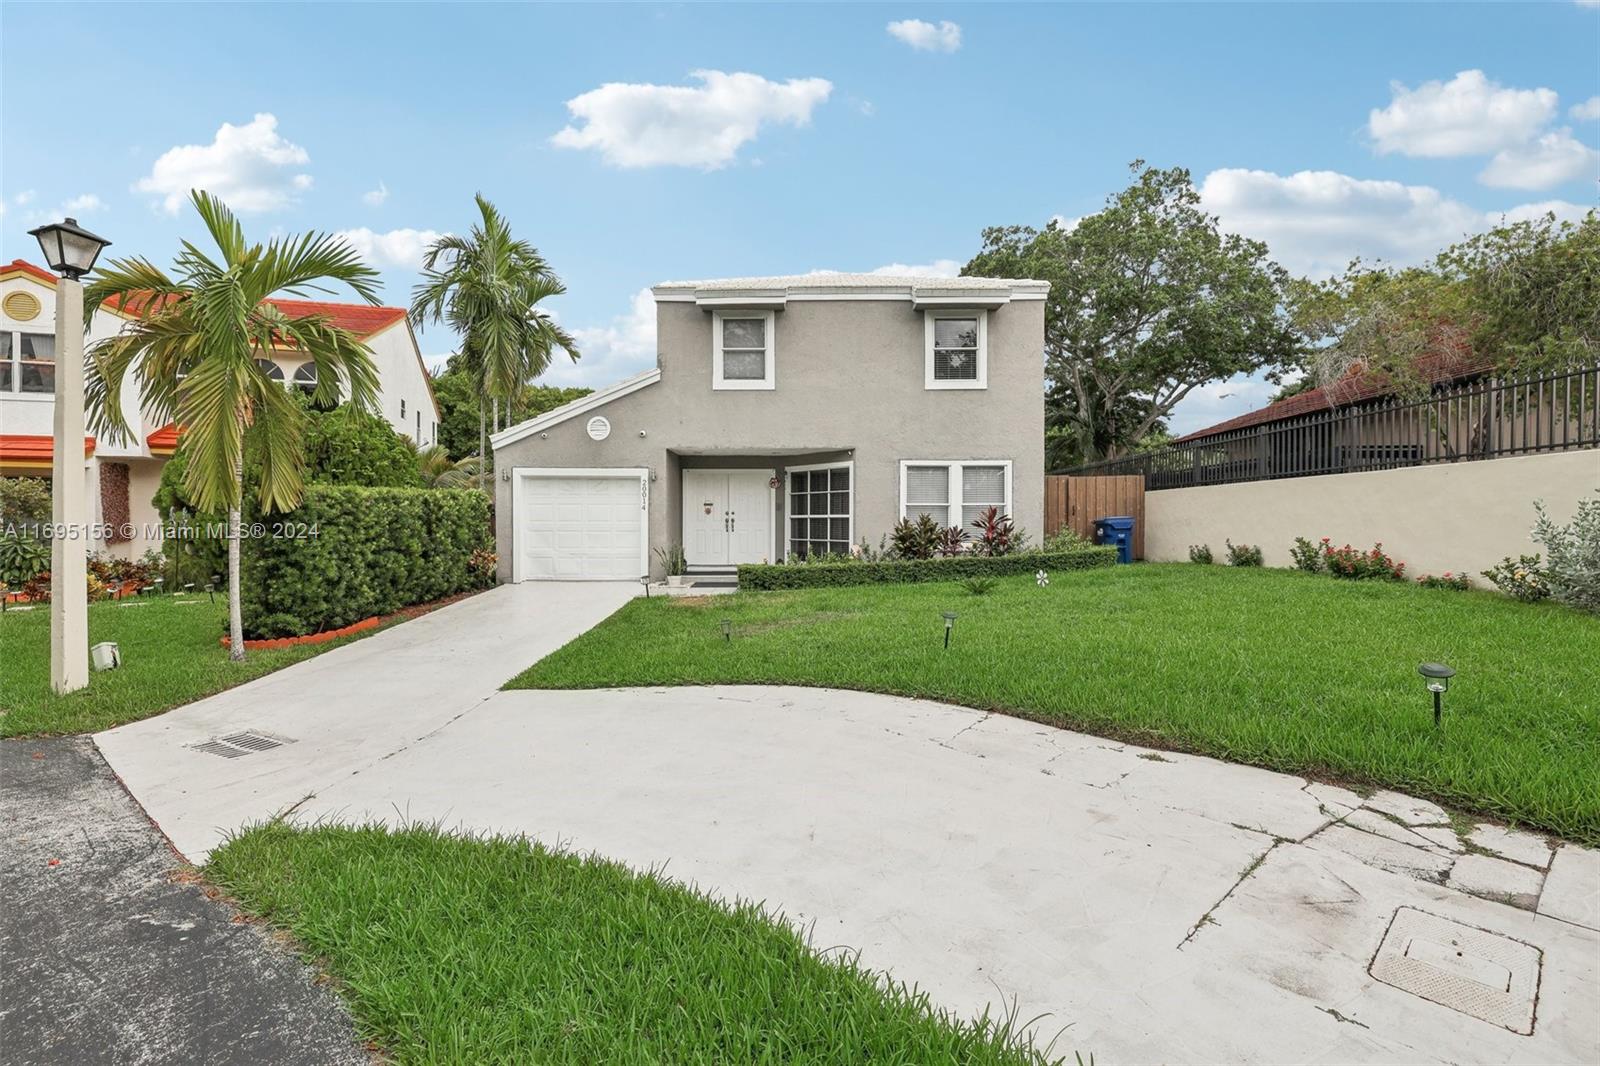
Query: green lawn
x,y
501,951
1291,671
170,656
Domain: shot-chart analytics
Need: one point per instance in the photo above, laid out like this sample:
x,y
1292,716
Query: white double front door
x,y
727,517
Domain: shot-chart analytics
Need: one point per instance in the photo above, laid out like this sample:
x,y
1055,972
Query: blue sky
x,y
847,137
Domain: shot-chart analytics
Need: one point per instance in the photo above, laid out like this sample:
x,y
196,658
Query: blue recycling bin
x,y
1117,530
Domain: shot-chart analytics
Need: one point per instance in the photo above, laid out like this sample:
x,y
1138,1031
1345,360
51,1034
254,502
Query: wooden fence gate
x,y
1075,502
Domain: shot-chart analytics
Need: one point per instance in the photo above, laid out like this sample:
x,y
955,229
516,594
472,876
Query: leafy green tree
x,y
458,406
487,286
439,471
192,347
1149,300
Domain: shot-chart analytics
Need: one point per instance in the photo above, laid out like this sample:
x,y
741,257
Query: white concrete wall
x,y
401,378
1462,517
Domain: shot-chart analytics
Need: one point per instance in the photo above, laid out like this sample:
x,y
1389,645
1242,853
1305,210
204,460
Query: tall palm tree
x,y
487,286
192,345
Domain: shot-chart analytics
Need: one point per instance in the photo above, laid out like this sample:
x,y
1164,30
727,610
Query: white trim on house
x,y
769,328
955,502
784,539
521,474
582,405
921,292
982,379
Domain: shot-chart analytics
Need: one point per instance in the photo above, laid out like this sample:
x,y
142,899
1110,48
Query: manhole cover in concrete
x,y
1486,975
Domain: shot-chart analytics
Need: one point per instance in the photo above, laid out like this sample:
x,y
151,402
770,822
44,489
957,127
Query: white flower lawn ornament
x,y
1042,578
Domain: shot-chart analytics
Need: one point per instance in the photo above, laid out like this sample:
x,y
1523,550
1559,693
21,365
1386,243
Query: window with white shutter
x,y
957,355
954,491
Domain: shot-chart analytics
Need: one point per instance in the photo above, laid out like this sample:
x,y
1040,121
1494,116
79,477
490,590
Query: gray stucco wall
x,y
849,379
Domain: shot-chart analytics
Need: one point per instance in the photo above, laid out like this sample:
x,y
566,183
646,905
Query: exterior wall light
x,y
1438,677
949,624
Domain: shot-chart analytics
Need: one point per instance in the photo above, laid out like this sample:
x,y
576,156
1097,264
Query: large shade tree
x,y
192,342
487,286
1149,300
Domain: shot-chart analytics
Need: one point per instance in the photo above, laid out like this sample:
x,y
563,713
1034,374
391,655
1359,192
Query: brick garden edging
x,y
310,638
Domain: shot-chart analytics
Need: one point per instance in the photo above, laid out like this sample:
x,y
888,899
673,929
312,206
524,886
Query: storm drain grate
x,y
1486,975
238,745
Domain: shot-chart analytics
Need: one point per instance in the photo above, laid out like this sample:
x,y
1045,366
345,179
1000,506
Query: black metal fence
x,y
1483,419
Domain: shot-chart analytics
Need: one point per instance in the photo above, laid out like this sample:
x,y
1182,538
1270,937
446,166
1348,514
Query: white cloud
x,y
1564,210
1589,110
1315,222
1468,115
397,247
251,167
610,353
938,268
86,204
925,36
23,198
687,126
376,197
1555,158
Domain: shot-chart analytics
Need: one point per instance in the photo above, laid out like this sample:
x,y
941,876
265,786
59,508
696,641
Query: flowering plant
x,y
1522,578
1358,565
1446,580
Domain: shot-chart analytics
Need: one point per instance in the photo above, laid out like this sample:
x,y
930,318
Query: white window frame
x,y
788,497
954,466
929,318
717,380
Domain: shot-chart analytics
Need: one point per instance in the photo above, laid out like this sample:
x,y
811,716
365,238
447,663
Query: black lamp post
x,y
68,248
1438,676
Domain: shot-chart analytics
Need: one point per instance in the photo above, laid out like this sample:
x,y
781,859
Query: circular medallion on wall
x,y
22,306
599,428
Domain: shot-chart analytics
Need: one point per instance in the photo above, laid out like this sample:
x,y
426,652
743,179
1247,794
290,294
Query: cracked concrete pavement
x,y
105,958
1155,907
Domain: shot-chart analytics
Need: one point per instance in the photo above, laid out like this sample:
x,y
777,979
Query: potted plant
x,y
673,562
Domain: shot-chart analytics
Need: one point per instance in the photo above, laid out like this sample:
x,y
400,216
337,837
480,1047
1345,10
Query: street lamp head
x,y
69,249
1438,676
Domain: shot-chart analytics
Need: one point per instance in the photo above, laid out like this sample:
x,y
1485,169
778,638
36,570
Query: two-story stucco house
x,y
786,416
124,475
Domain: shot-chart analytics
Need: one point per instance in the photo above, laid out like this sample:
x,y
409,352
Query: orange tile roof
x,y
33,448
361,319
1452,360
22,266
164,441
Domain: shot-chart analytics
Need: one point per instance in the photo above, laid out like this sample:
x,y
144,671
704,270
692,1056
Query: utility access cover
x,y
1491,977
238,745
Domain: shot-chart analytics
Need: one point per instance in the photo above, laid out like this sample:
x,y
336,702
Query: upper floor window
x,y
957,352
742,350
306,378
27,362
273,371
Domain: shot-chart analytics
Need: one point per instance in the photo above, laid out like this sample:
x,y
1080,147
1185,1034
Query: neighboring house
x,y
124,475
1456,406
786,416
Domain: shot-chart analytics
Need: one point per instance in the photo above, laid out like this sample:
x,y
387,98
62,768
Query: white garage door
x,y
580,528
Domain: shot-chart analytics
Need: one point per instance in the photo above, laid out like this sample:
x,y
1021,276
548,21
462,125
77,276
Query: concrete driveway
x,y
1156,907
343,713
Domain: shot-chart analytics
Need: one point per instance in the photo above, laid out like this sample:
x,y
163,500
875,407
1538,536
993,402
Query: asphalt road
x,y
105,957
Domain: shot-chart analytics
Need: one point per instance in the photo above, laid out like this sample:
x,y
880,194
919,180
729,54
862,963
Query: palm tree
x,y
192,347
487,286
439,471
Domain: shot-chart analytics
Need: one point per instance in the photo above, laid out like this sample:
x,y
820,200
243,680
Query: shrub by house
x,y
766,576
348,553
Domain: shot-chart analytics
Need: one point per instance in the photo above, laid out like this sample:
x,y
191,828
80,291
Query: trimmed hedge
x,y
766,576
348,553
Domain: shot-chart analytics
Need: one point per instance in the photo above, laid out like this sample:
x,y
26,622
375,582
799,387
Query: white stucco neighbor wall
x,y
1461,517
401,379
